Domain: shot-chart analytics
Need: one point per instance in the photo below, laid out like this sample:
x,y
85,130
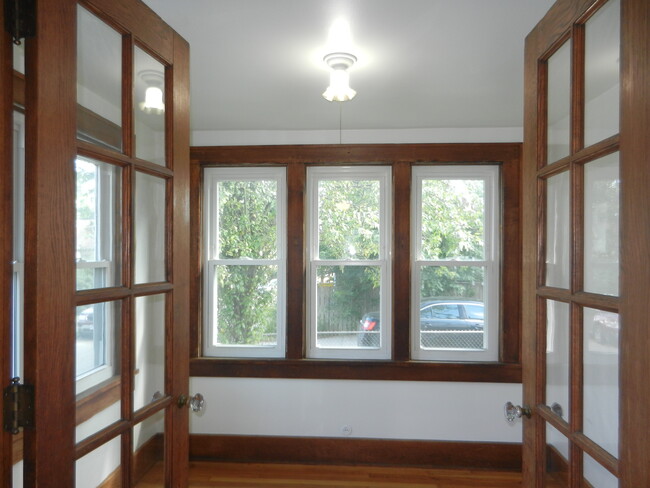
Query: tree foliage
x,y
348,230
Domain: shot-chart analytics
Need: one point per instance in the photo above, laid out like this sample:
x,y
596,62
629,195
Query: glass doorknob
x,y
196,402
514,412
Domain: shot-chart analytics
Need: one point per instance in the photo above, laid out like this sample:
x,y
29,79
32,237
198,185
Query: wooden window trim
x,y
401,157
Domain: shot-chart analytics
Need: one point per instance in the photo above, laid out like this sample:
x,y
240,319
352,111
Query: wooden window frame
x,y
401,157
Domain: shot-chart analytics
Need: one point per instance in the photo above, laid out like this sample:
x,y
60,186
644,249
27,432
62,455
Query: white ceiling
x,y
257,64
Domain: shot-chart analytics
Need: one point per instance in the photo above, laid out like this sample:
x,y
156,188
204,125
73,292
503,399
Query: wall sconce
x,y
153,95
339,89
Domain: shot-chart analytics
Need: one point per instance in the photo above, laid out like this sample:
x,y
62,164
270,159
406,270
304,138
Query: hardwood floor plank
x,y
205,474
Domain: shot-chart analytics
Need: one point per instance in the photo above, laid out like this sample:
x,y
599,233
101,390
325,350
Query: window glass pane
x,y
597,475
348,219
559,104
557,357
99,81
149,379
149,228
347,302
600,377
149,107
602,84
98,220
149,451
100,467
451,313
453,219
246,311
247,217
558,228
602,186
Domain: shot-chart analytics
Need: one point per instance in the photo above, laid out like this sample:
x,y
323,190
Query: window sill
x,y
335,369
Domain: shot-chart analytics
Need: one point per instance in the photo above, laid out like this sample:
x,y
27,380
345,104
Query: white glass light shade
x,y
339,89
153,100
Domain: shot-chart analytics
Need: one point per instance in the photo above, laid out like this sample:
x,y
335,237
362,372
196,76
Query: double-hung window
x,y
245,262
455,263
348,283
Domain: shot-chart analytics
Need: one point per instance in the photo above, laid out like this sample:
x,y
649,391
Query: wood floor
x,y
238,475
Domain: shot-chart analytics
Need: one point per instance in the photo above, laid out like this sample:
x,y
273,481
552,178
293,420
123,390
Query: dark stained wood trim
x,y
635,243
355,451
296,265
353,153
358,370
402,157
178,340
6,237
49,242
401,261
196,257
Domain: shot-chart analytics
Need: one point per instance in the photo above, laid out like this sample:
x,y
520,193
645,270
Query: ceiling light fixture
x,y
339,89
153,95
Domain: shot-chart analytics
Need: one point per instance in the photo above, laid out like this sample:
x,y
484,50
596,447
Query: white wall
x,y
372,409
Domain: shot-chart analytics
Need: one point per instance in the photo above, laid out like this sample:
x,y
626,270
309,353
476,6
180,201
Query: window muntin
x,y
455,262
348,277
245,262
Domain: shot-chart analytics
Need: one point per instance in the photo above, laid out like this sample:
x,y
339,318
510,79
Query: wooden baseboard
x,y
346,451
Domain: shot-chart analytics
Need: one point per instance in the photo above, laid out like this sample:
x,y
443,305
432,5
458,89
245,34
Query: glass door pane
x,y
600,378
557,459
557,358
149,228
602,72
601,234
101,467
148,452
149,108
596,475
558,114
558,231
149,374
99,81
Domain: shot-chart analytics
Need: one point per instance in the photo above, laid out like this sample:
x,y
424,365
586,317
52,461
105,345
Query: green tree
x,y
452,229
247,297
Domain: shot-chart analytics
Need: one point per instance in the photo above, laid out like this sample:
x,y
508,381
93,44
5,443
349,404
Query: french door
x,y
586,222
103,258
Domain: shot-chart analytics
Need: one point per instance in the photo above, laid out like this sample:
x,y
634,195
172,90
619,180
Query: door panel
x,y
579,336
90,352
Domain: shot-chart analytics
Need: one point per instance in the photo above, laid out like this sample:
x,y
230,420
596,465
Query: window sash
x,y
315,175
212,177
490,262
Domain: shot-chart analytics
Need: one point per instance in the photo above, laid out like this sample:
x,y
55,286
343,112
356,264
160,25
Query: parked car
x,y
85,323
605,328
435,315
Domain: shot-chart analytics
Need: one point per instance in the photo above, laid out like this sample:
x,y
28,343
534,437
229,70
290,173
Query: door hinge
x,y
20,19
18,406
